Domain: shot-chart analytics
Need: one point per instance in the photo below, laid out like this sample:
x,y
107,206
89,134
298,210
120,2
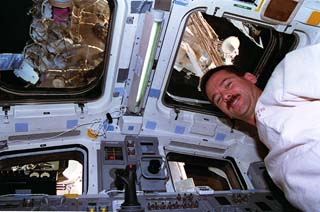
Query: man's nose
x,y
226,96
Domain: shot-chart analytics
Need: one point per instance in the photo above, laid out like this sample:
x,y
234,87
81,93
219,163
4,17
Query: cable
x,y
120,113
72,129
120,191
111,191
103,125
60,134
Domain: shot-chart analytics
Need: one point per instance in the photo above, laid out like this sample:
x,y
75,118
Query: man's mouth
x,y
232,100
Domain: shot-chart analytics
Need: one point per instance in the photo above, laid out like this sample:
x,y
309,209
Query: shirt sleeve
x,y
288,115
302,73
294,158
301,176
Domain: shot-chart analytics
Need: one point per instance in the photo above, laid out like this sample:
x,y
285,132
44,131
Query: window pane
x,y
53,47
210,41
43,173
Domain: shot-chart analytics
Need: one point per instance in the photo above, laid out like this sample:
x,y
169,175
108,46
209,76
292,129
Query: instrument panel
x,y
223,201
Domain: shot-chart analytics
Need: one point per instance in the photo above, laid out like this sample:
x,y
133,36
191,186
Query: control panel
x,y
137,151
133,177
224,201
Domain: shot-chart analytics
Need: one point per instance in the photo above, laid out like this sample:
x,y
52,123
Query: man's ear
x,y
251,77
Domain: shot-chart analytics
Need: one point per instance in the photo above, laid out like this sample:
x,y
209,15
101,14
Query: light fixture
x,y
150,54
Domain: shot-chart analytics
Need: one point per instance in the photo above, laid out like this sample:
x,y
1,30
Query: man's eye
x,y
228,85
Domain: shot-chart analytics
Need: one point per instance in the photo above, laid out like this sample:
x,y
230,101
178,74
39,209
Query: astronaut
x,y
286,114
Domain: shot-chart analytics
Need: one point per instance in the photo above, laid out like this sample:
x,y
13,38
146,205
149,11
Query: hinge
x,y
3,144
81,109
177,112
6,109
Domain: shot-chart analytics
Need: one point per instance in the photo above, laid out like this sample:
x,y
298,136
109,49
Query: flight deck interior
x,y
101,107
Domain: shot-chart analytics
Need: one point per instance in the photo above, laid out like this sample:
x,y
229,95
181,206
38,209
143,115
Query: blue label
x,y
10,61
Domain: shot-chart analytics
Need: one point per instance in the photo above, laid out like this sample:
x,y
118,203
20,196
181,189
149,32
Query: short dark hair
x,y
230,68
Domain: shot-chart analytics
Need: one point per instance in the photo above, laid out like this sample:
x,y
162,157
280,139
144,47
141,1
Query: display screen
x,y
147,148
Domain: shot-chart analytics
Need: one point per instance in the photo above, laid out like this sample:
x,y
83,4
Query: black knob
x,y
154,166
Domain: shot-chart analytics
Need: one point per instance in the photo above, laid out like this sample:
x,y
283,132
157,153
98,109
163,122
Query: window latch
x,y
6,109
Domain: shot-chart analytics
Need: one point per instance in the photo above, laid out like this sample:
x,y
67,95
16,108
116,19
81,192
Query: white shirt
x,y
288,121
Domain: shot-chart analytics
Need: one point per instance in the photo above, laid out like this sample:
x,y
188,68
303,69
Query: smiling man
x,y
233,92
286,113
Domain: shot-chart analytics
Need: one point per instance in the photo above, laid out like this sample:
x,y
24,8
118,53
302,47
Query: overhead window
x,y
210,41
53,47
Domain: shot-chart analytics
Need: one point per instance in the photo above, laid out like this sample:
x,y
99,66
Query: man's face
x,y
235,96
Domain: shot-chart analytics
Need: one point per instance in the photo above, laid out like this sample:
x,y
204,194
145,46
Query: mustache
x,y
231,100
